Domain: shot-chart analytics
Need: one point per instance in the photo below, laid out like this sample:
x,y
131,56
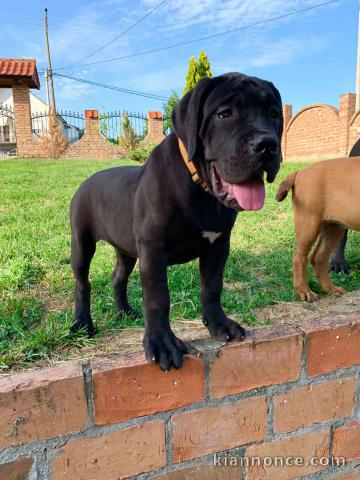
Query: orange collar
x,y
191,167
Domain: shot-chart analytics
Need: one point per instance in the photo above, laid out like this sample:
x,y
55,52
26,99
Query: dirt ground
x,y
129,341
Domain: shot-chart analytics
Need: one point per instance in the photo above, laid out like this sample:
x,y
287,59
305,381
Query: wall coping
x,y
309,107
181,418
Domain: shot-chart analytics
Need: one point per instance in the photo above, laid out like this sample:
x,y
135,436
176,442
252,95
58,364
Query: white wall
x,y
36,104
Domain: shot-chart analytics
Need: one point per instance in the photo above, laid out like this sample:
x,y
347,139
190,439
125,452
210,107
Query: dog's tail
x,y
285,186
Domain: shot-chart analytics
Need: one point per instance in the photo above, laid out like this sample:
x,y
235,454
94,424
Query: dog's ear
x,y
281,127
187,116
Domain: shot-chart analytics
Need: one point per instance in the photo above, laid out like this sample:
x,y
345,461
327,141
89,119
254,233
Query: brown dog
x,y
326,201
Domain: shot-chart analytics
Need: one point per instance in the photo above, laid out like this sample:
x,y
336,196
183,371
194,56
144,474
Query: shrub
x,y
141,154
128,139
53,143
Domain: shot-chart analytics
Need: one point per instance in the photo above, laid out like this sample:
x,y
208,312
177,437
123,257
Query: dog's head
x,y
231,126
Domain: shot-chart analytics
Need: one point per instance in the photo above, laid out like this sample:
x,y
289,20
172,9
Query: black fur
x,y
158,214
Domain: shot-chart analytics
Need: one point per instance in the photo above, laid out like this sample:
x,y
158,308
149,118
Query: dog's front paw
x,y
85,323
337,290
165,349
307,295
225,329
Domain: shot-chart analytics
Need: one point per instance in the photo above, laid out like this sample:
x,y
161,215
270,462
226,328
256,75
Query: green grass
x,y
36,284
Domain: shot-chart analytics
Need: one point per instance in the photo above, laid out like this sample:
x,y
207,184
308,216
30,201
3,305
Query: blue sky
x,y
310,57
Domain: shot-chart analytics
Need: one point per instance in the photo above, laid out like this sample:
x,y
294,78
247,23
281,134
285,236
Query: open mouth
x,y
249,195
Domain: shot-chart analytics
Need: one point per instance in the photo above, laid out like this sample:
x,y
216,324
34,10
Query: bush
x,y
142,153
128,139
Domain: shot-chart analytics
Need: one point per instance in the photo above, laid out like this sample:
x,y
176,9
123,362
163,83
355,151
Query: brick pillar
x,y
155,127
91,123
22,113
346,111
287,114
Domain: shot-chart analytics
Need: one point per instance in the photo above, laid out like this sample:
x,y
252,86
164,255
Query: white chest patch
x,y
211,236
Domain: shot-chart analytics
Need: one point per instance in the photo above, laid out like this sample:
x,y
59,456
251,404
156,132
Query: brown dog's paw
x,y
308,295
338,290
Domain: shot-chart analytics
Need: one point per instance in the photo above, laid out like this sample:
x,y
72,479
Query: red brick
x,y
17,470
112,456
347,441
42,404
129,388
213,429
333,346
268,356
302,407
204,472
305,446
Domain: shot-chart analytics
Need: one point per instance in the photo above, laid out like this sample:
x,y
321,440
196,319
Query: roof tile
x,y
20,68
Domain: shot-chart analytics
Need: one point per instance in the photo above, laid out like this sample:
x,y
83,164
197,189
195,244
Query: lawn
x,y
36,284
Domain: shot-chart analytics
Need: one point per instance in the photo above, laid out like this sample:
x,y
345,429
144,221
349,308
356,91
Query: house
x,y
7,123
39,119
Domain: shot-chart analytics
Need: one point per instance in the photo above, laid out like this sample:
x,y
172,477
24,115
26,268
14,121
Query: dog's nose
x,y
265,145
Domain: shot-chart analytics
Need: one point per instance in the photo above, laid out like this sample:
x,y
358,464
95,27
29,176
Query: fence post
x,y
155,127
346,111
92,122
287,114
22,114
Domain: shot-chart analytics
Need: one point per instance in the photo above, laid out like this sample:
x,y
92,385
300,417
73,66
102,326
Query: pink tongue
x,y
249,195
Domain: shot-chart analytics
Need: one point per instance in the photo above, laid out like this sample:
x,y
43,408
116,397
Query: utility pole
x,y
358,67
47,87
49,74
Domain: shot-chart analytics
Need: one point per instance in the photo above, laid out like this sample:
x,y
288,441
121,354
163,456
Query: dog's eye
x,y
274,113
225,113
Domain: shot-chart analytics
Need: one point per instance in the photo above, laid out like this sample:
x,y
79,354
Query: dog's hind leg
x,y
120,276
328,239
307,230
338,262
82,251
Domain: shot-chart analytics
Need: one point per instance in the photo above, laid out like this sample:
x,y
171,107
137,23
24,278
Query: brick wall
x,y
155,127
316,132
321,131
27,144
287,391
91,145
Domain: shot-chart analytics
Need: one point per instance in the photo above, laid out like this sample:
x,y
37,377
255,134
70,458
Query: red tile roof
x,y
19,70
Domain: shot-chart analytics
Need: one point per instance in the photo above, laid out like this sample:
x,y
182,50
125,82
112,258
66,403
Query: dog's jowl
x,y
181,205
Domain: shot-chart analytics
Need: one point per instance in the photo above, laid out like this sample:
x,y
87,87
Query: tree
x,y
204,67
128,139
168,108
197,70
191,75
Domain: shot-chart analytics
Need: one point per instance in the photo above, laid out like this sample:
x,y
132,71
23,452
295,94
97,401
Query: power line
x,y
207,37
113,87
119,35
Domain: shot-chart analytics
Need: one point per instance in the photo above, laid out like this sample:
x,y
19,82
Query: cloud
x,y
284,51
68,91
161,79
217,15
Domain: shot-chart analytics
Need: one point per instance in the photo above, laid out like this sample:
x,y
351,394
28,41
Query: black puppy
x,y
181,205
338,263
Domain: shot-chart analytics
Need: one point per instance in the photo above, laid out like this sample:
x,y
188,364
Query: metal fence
x,y
112,124
71,124
7,125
